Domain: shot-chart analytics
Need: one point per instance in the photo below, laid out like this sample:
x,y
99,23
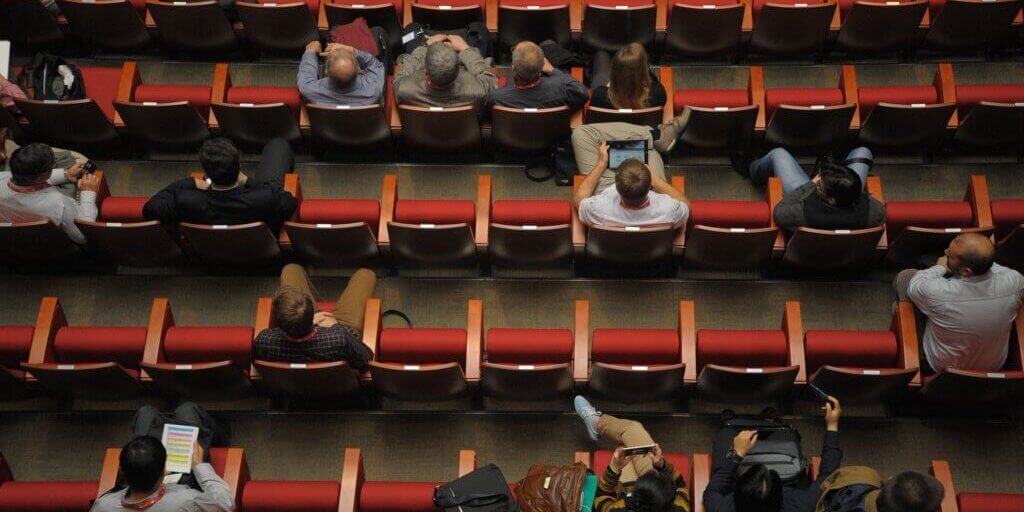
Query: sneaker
x,y
589,414
669,133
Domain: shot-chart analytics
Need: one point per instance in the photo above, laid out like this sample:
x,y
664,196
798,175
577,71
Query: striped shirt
x,y
609,499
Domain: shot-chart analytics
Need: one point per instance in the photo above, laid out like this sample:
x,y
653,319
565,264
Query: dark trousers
x,y
600,71
276,161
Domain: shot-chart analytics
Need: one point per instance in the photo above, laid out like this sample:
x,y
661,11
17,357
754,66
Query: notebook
x,y
179,441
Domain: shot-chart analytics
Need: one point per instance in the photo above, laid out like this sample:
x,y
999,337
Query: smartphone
x,y
637,450
821,395
89,167
621,150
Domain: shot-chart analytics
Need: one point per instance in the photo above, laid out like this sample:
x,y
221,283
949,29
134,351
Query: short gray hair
x,y
527,62
442,64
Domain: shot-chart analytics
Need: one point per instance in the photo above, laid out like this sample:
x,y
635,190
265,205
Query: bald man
x,y
353,77
535,83
970,303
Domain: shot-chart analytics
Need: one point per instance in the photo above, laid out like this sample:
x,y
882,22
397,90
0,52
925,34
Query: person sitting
x,y
30,187
860,488
632,482
537,84
639,197
303,334
445,72
227,196
760,489
143,464
354,77
835,199
624,81
970,303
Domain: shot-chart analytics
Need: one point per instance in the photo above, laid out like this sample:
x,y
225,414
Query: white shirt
x,y
606,209
51,204
969,318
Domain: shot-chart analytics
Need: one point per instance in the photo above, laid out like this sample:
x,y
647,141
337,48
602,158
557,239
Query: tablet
x,y
621,150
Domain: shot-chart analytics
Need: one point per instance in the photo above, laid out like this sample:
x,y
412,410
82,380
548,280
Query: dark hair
x,y
220,160
293,312
30,162
633,182
759,489
841,184
652,492
142,463
911,491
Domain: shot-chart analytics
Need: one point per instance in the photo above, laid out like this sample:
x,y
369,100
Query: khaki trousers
x,y
627,433
351,305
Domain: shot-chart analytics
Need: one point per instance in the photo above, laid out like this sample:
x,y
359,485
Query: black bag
x,y
476,35
483,490
778,447
560,57
559,163
46,83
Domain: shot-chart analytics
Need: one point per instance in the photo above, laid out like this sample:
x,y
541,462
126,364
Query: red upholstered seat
x,y
101,84
616,3
531,212
538,3
422,346
636,346
264,95
123,209
868,97
1007,214
340,211
326,305
989,502
744,348
397,497
122,345
430,211
197,95
529,346
278,496
858,349
679,461
759,4
730,214
926,214
47,496
802,97
968,96
209,344
15,343
314,5
710,98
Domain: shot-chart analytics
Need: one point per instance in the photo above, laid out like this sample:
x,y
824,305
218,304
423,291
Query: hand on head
x,y
744,442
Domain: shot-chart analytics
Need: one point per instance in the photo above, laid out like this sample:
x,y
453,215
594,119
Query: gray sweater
x,y
215,496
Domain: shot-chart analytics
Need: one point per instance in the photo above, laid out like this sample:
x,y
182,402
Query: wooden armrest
x,y
701,477
50,319
1018,326
874,186
6,475
303,118
388,197
940,470
946,86
774,195
837,23
103,191
581,341
491,16
221,84
680,239
793,327
467,462
236,471
474,341
904,327
977,195
372,324
322,24
292,185
582,458
926,21
130,79
351,480
579,231
756,89
668,82
150,22
688,340
109,473
483,210
264,308
576,15
160,319
815,467
661,15
577,116
407,14
848,83
748,17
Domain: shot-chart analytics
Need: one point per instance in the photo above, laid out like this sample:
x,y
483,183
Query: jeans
x,y
779,163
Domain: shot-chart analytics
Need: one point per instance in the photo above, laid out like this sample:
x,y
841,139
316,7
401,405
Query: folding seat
x,y
681,462
78,124
15,345
533,20
806,119
50,496
529,233
744,366
862,367
921,230
876,27
705,29
990,115
384,14
627,250
32,241
720,119
337,233
791,27
254,115
289,495
166,115
120,235
279,28
424,364
611,24
970,25
729,235
95,363
434,233
358,494
529,130
445,14
532,365
440,129
630,365
35,27
114,25
209,362
1008,218
903,117
193,27
347,127
830,251
228,463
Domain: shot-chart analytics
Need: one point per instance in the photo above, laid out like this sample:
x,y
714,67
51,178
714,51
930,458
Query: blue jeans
x,y
779,163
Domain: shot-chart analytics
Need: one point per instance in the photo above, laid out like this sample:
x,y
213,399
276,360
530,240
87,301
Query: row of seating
x,y
909,118
538,366
688,29
354,490
523,236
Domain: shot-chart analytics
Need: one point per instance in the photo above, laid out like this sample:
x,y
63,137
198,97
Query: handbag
x,y
482,490
549,488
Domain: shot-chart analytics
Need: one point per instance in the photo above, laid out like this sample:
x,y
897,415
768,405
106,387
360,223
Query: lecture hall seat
x,y
446,14
973,501
15,346
721,120
991,115
288,495
199,28
227,463
909,118
279,28
382,13
359,494
791,28
806,119
533,20
705,29
610,25
529,234
1008,218
960,26
729,235
337,233
36,28
32,241
48,496
445,130
78,124
255,114
162,115
529,130
352,128
112,25
878,27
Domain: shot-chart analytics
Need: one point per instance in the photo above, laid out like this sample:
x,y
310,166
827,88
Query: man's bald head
x,y
342,67
527,62
970,252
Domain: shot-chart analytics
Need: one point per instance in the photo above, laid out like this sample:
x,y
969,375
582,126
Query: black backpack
x,y
45,82
778,447
482,490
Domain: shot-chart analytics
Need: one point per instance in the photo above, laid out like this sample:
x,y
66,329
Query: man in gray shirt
x,y
970,303
354,77
446,72
143,462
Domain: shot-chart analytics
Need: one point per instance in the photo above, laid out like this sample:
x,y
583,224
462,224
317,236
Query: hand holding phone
x,y
89,167
638,450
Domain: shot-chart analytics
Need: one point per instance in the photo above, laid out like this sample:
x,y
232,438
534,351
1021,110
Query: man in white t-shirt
x,y
639,197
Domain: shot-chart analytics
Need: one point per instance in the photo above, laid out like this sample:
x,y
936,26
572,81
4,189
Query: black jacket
x,y
181,201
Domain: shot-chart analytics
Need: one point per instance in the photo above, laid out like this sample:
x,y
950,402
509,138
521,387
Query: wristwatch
x,y
733,456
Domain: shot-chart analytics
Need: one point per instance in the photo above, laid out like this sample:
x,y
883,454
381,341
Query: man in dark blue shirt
x,y
535,83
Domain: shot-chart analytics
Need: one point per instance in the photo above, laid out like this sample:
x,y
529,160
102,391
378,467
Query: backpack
x,y
550,488
778,447
44,78
481,490
559,162
847,499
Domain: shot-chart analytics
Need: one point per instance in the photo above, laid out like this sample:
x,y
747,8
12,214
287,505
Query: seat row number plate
x,y
872,372
755,370
411,367
65,367
639,368
298,366
996,375
526,367
182,367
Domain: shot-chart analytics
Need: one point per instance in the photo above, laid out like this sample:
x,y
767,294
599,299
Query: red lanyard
x,y
29,189
146,503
